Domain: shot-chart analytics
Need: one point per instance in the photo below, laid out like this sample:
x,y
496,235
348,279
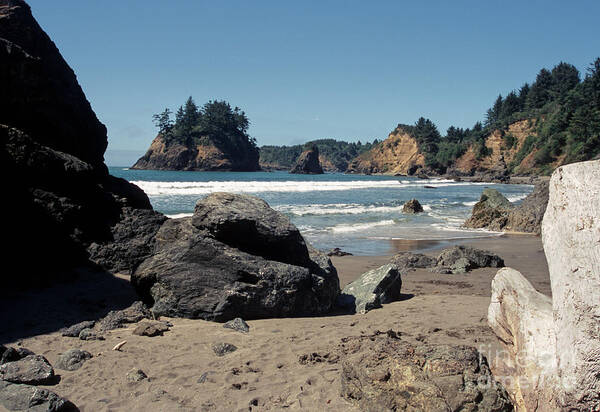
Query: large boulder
x,y
381,372
235,257
553,352
571,236
372,289
52,147
308,162
249,224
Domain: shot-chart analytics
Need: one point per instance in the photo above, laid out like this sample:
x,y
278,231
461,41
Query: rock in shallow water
x,y
372,289
412,206
32,369
236,257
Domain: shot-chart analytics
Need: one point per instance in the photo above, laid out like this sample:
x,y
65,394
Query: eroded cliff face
x,y
398,154
500,152
175,156
62,204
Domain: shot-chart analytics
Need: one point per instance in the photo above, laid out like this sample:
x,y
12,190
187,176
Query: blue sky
x,y
311,69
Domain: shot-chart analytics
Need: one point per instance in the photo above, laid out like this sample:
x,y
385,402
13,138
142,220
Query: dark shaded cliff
x,y
63,209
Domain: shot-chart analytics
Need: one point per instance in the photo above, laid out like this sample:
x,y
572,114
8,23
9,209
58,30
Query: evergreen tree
x,y
163,122
493,114
564,78
539,94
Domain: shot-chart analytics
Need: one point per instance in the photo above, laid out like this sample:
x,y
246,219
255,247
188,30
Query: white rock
x,y
553,345
571,236
522,318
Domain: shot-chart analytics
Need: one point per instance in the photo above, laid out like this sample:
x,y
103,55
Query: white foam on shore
x,y
360,226
154,188
179,215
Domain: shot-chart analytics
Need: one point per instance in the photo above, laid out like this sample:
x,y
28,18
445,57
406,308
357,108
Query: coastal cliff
x,y
163,155
398,154
212,137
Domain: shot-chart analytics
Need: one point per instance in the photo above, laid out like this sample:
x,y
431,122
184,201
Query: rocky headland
x,y
308,163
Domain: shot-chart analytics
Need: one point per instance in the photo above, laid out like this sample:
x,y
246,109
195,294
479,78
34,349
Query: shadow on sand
x,y
89,297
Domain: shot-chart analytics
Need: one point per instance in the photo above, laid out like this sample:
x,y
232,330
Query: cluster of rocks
x,y
21,373
457,259
551,344
383,372
235,257
308,162
493,211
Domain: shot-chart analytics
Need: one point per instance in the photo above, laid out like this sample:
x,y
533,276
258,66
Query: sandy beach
x,y
266,372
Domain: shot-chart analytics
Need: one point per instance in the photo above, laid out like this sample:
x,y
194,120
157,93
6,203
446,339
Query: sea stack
x,y
308,163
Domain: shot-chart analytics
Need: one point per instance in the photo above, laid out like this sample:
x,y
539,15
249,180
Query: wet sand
x,y
265,372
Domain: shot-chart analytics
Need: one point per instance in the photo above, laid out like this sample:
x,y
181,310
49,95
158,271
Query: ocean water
x,y
359,214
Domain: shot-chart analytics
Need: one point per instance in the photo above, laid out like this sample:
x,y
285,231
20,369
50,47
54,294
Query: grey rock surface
x,y
223,348
72,359
236,257
237,324
32,369
372,289
15,397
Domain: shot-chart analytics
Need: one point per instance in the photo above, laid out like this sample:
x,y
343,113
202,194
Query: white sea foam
x,y
516,198
153,188
356,227
179,215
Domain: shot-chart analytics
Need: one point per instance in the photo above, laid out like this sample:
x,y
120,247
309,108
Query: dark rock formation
x,y
163,155
118,318
150,329
495,212
32,369
457,259
89,334
52,145
72,359
461,259
13,354
74,330
412,206
491,209
408,260
381,372
527,217
237,324
235,257
16,397
336,251
308,163
372,289
249,224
